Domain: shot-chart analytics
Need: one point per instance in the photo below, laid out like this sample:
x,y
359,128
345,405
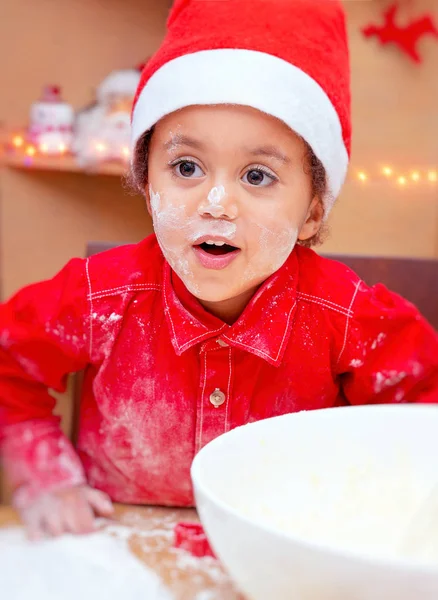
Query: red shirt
x,y
163,377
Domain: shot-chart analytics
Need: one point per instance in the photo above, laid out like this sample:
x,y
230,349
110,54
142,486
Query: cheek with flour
x,y
169,224
273,249
176,232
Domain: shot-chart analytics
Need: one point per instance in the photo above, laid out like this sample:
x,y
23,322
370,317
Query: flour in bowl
x,y
362,511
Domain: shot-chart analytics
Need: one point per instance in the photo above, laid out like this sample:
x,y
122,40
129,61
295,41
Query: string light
x,y
400,178
44,148
30,151
125,152
100,147
62,148
17,141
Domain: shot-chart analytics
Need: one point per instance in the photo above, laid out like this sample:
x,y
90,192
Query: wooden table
x,y
186,577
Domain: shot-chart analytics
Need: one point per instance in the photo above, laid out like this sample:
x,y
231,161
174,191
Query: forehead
x,y
226,124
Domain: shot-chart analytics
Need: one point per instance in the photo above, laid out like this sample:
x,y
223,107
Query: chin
x,y
215,293
209,291
220,286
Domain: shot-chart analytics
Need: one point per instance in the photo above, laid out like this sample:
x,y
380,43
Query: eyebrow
x,y
178,140
270,152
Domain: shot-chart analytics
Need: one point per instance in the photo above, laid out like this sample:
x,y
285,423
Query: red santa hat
x,y
287,58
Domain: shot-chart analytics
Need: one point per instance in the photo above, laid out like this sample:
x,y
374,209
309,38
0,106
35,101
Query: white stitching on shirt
x,y
228,392
111,295
325,303
170,317
212,349
130,287
256,351
323,300
87,271
199,440
192,341
260,352
348,321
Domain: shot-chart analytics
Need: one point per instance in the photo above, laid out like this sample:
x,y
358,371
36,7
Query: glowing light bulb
x,y
432,176
44,148
100,147
30,151
415,176
362,176
402,180
125,151
387,171
62,148
17,141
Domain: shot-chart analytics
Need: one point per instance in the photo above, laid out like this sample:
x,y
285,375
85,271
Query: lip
x,y
212,238
211,261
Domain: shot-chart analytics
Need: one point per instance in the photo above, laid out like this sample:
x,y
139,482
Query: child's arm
x,y
390,352
43,337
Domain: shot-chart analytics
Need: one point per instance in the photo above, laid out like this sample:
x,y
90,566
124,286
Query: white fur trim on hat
x,y
249,78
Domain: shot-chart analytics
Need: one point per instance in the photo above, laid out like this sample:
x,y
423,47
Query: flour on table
x,y
71,567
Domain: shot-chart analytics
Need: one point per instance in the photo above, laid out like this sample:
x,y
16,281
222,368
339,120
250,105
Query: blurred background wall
x,y
48,216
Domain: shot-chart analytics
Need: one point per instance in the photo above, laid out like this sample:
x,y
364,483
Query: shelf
x,y
17,158
61,164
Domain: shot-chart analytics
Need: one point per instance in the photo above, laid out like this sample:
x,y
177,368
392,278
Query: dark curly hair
x,y
138,177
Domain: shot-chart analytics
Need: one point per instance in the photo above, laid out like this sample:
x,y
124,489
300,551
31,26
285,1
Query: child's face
x,y
236,177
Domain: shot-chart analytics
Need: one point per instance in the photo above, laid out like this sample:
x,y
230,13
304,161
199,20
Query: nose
x,y
218,204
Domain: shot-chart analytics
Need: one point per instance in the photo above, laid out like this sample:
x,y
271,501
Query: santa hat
x,y
287,58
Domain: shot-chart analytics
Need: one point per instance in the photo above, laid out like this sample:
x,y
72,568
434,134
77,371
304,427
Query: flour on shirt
x,y
5,339
30,367
377,342
386,379
356,362
71,567
390,378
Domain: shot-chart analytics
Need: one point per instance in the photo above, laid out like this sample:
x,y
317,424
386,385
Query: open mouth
x,y
217,248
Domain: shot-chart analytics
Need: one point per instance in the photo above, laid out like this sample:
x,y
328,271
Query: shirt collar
x,y
263,329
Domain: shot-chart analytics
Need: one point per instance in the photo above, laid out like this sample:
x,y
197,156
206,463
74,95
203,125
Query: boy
x,y
241,136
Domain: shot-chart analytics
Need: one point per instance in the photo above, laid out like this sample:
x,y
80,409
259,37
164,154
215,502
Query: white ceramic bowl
x,y
313,505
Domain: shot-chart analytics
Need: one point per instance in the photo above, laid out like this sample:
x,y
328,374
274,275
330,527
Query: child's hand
x,y
71,510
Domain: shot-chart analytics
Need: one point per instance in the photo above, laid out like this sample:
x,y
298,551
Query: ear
x,y
313,221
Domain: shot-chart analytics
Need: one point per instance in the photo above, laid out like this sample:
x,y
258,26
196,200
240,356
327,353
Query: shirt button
x,y
222,343
217,398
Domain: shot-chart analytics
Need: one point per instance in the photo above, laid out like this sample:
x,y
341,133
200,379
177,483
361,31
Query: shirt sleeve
x,y
43,338
390,351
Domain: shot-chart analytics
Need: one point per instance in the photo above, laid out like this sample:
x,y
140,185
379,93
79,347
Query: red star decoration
x,y
406,37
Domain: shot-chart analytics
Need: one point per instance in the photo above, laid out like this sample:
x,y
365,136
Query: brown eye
x,y
260,177
187,169
255,177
